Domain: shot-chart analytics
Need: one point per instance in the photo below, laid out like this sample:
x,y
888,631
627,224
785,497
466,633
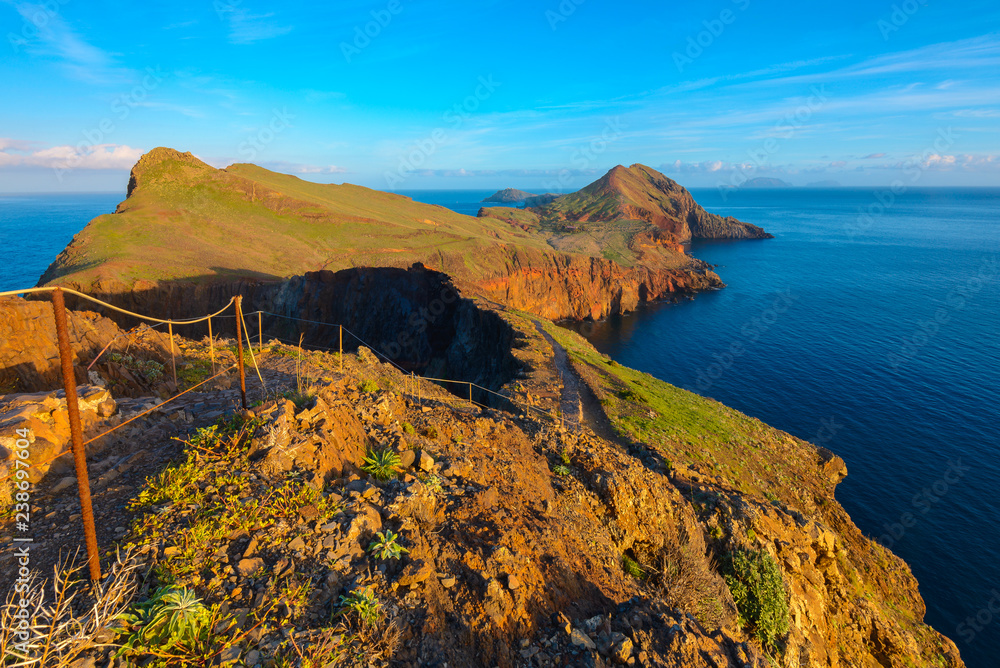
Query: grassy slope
x,y
185,217
186,220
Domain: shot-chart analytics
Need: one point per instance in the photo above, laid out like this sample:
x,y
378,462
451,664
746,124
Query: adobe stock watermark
x,y
585,156
562,13
696,44
34,23
255,142
455,117
751,332
914,168
784,129
976,624
363,35
956,300
223,8
122,107
900,15
922,503
828,428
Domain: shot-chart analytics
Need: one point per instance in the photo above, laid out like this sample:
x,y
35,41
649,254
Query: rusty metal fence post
x,y
79,454
173,361
260,330
239,347
211,345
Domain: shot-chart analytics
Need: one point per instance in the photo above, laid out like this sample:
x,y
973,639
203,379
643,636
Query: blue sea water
x,y
35,227
877,337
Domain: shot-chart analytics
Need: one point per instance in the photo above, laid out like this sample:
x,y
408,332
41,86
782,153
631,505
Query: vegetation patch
x,y
754,580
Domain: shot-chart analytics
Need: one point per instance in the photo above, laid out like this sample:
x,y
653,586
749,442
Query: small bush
x,y
172,619
368,385
408,428
363,605
689,582
386,547
149,370
632,567
756,585
560,469
383,464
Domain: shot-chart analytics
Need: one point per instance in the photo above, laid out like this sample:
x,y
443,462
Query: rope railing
x,y
377,352
148,318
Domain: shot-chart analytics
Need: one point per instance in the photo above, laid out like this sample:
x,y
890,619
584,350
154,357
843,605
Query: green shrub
x,y
172,620
368,385
383,464
363,604
408,428
386,547
755,582
632,567
560,469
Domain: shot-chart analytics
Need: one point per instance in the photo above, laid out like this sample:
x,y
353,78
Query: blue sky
x,y
402,94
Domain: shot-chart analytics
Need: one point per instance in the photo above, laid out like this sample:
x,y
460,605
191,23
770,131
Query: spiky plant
x,y
383,464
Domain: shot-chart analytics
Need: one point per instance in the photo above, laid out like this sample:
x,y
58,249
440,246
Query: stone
x,y
65,483
621,648
513,582
415,573
171,551
448,582
248,567
406,458
426,462
297,544
229,655
85,662
251,550
367,520
252,658
581,639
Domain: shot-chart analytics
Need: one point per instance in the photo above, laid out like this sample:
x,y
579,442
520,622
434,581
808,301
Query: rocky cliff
x,y
642,193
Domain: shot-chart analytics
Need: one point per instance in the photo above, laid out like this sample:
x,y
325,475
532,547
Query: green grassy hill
x,y
186,220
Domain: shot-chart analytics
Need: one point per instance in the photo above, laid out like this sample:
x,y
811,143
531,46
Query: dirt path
x,y
570,403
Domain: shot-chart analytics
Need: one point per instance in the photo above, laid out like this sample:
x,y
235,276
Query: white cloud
x,y
246,27
100,156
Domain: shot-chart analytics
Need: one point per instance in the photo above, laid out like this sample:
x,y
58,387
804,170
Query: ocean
x,y
870,325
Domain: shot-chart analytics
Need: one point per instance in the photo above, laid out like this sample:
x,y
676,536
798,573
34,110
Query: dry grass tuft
x,y
53,627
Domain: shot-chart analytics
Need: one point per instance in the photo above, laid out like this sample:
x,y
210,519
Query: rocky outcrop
x,y
642,193
43,421
29,355
578,287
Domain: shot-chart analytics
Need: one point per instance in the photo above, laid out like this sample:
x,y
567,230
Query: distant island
x,y
508,196
824,184
515,196
766,182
